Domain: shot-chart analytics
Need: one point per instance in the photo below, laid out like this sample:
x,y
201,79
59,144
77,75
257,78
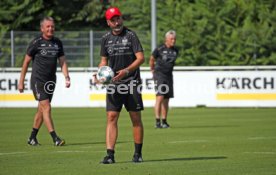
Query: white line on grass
x,y
87,147
79,151
189,141
261,138
76,151
260,152
2,154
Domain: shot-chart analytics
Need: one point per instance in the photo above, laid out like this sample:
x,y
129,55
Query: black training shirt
x,y
120,51
44,55
165,60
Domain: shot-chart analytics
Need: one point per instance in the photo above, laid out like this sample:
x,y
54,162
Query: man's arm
x,y
135,65
152,63
64,69
103,62
24,70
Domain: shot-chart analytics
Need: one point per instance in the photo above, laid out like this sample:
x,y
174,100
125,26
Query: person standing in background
x,y
161,63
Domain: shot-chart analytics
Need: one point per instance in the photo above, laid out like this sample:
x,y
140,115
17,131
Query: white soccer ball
x,y
105,74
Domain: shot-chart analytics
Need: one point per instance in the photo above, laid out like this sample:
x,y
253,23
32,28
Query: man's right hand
x,y
21,87
94,79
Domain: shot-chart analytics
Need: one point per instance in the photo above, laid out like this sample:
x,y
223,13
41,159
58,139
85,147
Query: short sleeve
x,y
155,53
136,45
61,50
32,48
103,50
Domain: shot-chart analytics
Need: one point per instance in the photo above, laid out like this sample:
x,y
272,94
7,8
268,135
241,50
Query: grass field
x,y
205,141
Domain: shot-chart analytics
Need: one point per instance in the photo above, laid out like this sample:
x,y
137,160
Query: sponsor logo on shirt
x,y
110,50
43,52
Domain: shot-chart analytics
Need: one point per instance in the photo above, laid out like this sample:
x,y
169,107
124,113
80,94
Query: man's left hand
x,y
67,82
120,74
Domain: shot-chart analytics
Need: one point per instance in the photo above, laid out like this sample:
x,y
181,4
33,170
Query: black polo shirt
x,y
120,51
165,60
45,54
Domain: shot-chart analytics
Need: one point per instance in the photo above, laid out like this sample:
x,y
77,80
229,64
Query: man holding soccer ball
x,y
122,51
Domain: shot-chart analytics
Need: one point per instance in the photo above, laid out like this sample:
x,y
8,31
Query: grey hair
x,y
170,32
47,18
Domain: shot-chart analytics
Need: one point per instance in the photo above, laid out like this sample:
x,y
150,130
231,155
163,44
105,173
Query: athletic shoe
x,y
158,125
109,159
137,158
33,142
59,142
165,125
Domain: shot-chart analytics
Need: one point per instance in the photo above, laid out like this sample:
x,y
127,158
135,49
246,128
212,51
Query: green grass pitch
x,y
205,141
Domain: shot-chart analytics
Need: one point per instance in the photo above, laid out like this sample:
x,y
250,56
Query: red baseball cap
x,y
112,11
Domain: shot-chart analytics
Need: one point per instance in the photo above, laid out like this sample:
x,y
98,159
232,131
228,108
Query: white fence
x,y
246,86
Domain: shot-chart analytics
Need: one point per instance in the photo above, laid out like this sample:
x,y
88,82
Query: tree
x,y
213,32
15,14
238,32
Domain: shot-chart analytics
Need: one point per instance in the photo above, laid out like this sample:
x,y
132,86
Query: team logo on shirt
x,y
110,50
164,57
43,52
124,41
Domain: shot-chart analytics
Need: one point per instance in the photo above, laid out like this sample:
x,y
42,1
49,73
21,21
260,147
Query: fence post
x,y
91,47
12,49
153,24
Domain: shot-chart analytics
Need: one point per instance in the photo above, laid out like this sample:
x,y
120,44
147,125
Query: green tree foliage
x,y
209,32
89,15
215,32
15,14
69,15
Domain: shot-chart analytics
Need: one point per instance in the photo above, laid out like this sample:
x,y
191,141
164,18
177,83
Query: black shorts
x,y
164,87
130,97
43,91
